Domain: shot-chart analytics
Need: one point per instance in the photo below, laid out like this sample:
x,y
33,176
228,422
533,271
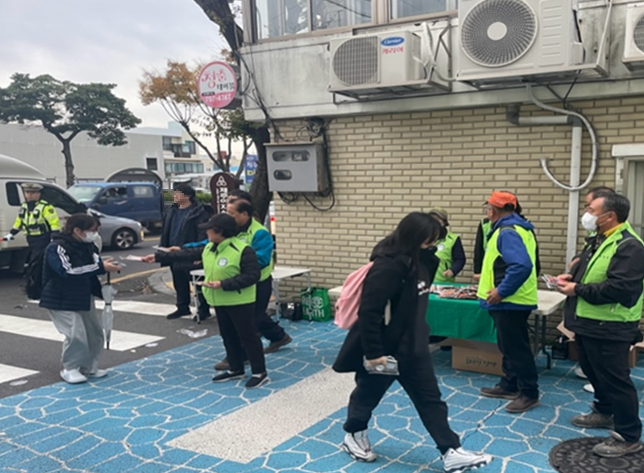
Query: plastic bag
x,y
316,305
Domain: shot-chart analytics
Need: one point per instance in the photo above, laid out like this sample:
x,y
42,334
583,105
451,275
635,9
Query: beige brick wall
x,y
385,166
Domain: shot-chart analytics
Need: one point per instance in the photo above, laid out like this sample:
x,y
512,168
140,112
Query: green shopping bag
x,y
315,304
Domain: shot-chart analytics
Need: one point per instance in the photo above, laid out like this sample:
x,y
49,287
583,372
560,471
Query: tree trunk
x,y
259,188
69,164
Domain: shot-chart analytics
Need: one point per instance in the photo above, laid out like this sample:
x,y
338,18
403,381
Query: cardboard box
x,y
573,352
480,357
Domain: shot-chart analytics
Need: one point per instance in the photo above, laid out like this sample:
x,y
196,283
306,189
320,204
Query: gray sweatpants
x,y
84,338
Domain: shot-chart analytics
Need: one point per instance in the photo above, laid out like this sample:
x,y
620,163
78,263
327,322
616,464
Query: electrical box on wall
x,y
296,167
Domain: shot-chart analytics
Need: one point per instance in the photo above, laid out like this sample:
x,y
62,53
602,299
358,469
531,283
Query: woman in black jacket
x,y
403,270
70,284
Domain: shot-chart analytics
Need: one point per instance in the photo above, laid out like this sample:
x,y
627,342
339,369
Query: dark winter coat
x,y
189,232
391,278
70,274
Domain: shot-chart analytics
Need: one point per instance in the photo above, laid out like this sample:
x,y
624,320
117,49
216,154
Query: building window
x,y
167,143
407,8
189,148
634,176
275,18
151,164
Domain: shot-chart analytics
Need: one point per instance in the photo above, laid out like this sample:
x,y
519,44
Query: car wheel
x,y
123,239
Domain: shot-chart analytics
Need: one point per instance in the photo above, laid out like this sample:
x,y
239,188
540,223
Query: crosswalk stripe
x,y
318,397
44,329
9,373
147,308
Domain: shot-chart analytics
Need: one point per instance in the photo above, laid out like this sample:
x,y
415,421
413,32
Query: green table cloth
x,y
459,318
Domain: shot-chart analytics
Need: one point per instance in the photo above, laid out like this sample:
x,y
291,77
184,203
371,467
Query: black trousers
x,y
605,362
37,246
181,281
419,381
513,339
266,326
237,328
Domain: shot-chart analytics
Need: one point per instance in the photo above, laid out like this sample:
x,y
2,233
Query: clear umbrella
x,y
108,314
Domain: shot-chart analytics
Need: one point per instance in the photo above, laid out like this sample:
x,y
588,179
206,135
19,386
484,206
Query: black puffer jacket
x,y
391,278
70,274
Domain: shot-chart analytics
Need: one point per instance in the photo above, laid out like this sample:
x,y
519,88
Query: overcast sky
x,y
109,41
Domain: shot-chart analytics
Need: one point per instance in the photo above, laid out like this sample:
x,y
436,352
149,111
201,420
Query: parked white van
x,y
12,174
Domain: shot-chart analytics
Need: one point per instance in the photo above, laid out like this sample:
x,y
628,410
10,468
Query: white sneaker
x,y
358,446
460,460
589,388
580,373
97,374
72,376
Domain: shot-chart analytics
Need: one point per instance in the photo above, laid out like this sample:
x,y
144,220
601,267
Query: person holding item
x,y
402,273
605,290
70,284
508,290
449,250
231,272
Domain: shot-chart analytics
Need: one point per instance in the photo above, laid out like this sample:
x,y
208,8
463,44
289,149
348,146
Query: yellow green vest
x,y
221,264
42,219
486,227
444,253
247,237
527,293
596,273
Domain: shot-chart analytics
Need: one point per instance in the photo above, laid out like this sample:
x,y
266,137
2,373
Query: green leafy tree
x,y
66,109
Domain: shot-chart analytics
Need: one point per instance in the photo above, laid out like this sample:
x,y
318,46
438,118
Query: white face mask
x,y
90,237
589,221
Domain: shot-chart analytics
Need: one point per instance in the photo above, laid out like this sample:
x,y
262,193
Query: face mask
x,y
589,222
90,237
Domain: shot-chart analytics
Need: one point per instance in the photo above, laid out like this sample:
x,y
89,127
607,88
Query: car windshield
x,y
84,193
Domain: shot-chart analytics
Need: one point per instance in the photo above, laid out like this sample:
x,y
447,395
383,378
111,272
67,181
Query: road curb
x,y
158,284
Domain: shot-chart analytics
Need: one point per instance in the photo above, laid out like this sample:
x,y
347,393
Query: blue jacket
x,y
517,262
70,274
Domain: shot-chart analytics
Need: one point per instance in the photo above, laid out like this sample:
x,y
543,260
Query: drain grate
x,y
576,456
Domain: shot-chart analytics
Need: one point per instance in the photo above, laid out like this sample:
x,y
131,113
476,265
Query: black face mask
x,y
31,205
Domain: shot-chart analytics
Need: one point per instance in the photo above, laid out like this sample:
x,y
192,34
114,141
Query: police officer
x,y
37,219
508,290
604,308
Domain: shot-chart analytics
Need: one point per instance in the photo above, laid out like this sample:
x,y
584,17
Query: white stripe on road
x,y
147,308
256,429
9,373
121,341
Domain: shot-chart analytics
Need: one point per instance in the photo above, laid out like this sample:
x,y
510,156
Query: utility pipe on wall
x,y
576,120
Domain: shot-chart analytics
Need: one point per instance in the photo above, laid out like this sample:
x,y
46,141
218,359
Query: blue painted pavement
x,y
125,421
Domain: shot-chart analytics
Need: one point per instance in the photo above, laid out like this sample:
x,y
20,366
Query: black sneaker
x,y
257,380
178,313
228,376
522,404
615,446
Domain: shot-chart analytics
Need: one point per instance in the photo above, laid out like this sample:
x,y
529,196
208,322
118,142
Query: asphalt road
x,y
43,355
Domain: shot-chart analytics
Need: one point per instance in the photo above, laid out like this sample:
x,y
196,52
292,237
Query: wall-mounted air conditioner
x,y
373,64
634,37
506,39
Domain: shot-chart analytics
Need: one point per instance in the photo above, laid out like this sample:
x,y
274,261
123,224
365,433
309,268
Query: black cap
x,y
185,189
221,223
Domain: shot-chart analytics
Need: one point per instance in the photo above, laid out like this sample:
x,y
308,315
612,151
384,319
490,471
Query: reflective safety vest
x,y
39,221
486,227
527,293
247,237
444,253
221,264
596,272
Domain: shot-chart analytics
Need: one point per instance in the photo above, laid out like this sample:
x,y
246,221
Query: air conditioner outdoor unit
x,y
634,37
502,40
371,63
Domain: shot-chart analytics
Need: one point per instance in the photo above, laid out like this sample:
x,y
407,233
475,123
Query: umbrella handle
x,y
108,277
